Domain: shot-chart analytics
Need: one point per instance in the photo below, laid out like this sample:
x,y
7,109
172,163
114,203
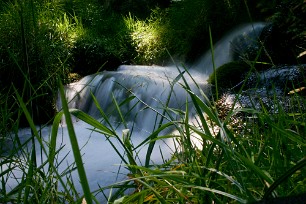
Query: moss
x,y
228,75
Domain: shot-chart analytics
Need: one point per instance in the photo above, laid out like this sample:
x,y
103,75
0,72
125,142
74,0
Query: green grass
x,y
260,158
263,158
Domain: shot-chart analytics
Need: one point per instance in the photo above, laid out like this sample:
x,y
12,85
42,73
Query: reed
x,y
263,157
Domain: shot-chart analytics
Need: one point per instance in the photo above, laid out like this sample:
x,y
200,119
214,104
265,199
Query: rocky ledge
x,y
275,89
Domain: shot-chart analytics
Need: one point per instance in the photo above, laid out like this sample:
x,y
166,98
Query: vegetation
x,y
46,40
252,160
43,42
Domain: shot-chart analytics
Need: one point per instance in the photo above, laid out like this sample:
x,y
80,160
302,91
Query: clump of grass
x,y
36,42
146,36
265,159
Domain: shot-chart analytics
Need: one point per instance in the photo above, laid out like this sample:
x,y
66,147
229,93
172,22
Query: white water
x,y
224,50
151,85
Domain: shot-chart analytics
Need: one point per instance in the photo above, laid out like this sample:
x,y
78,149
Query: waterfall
x,y
234,43
150,88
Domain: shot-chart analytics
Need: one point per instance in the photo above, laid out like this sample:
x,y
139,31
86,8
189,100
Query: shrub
x,y
285,39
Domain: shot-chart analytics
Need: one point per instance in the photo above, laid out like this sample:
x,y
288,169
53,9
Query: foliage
x,y
146,38
36,42
44,40
91,55
139,8
261,158
100,46
285,39
195,17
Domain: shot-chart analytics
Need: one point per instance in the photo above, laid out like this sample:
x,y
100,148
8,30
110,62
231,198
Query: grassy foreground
x,y
259,157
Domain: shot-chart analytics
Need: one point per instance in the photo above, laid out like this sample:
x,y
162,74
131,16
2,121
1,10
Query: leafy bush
x,y
91,55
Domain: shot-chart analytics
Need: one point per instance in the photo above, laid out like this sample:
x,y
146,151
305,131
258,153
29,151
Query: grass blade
x,y
75,147
287,174
54,132
236,198
91,121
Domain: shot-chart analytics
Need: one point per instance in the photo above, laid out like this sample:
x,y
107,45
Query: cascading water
x,y
234,43
151,88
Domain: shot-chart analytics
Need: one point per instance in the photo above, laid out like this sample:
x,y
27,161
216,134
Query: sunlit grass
x,y
147,37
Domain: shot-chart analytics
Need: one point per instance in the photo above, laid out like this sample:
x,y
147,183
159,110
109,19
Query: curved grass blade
x,y
287,174
213,61
96,102
91,121
54,132
75,147
236,198
119,111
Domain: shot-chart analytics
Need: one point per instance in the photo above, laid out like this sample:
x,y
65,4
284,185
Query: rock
x,y
277,46
246,46
275,88
280,79
228,75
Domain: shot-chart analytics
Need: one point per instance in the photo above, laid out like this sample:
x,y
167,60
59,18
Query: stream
x,y
149,88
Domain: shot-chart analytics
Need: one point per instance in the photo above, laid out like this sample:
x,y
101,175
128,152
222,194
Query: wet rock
x,y
279,87
280,79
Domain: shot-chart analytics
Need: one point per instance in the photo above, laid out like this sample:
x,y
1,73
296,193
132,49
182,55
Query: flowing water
x,y
150,88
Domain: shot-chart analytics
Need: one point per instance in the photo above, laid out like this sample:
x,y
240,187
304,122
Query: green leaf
x,y
93,122
236,198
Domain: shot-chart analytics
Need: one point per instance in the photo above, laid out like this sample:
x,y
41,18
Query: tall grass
x,y
36,41
263,158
